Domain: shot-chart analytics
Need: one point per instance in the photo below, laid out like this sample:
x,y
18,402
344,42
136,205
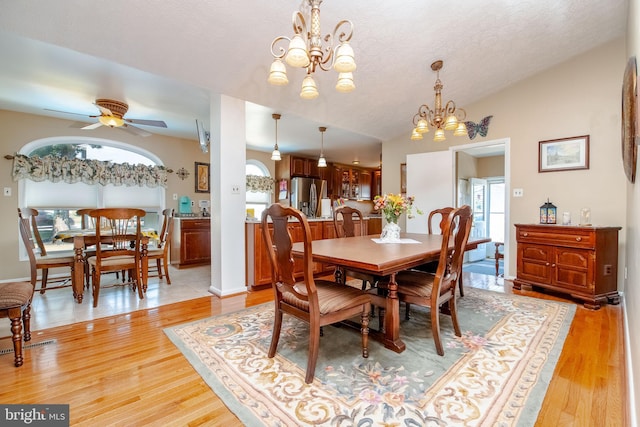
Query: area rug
x,y
495,374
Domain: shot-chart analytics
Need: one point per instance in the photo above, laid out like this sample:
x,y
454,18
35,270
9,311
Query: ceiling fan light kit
x,y
305,50
112,115
440,118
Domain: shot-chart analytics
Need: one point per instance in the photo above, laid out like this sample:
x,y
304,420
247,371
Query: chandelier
x,y
306,50
322,162
439,118
275,154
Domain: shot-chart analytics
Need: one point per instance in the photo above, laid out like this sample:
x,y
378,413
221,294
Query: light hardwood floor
x,y
123,370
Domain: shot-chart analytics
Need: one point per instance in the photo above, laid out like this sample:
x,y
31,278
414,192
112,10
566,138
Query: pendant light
x,y
322,162
275,154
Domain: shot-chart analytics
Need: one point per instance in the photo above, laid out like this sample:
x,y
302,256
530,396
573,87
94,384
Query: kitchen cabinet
x,y
376,184
304,167
258,266
354,183
579,261
191,242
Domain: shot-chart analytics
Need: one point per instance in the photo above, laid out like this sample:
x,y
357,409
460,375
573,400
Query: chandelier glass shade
x,y
275,154
322,162
439,118
306,50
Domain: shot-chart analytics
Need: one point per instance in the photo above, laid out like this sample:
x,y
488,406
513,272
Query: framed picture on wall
x,y
403,178
202,177
564,154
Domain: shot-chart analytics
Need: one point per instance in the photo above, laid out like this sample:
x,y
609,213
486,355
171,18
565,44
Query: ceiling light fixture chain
x,y
322,162
305,50
275,154
448,118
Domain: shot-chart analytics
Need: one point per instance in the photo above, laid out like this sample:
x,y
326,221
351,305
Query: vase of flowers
x,y
392,206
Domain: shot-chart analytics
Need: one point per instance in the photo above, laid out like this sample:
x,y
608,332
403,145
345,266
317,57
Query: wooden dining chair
x,y
345,226
124,252
15,303
433,290
39,259
161,253
317,302
439,217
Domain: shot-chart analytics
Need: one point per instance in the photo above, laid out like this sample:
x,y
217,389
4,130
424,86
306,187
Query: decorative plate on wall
x,y
629,99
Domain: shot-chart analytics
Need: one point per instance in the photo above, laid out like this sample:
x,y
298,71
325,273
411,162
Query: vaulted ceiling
x,y
165,58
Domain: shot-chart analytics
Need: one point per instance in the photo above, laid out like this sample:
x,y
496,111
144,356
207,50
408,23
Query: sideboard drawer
x,y
558,236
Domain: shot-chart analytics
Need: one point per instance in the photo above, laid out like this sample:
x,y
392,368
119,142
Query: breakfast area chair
x,y
317,302
161,254
39,259
15,303
125,247
433,290
345,226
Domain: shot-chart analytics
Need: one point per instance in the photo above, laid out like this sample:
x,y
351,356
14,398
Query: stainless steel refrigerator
x,y
306,194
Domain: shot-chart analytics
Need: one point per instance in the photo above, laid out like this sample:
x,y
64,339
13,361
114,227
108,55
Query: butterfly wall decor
x,y
481,128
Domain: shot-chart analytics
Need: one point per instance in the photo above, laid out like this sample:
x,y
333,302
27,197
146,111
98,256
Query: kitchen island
x,y
258,267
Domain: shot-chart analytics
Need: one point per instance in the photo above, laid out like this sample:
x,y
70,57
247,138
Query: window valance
x,y
56,169
259,184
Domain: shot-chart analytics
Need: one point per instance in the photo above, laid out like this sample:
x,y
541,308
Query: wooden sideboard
x,y
581,261
191,242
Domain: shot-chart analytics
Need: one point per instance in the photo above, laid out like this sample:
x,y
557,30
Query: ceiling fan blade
x,y
68,112
158,123
105,111
134,130
95,125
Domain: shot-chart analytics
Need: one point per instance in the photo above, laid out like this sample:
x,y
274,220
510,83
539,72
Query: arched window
x,y
57,202
256,200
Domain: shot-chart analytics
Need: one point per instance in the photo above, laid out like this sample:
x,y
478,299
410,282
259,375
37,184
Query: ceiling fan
x,y
112,114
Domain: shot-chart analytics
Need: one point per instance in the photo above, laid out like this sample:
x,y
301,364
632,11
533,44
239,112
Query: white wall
x,y
632,237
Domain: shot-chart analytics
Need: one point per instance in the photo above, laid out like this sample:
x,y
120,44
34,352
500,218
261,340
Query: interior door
x,y
479,226
430,180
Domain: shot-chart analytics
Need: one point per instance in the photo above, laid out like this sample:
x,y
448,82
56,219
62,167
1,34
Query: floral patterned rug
x,y
495,374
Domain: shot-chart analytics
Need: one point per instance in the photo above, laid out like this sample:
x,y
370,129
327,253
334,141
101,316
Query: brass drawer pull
x,y
525,234
578,239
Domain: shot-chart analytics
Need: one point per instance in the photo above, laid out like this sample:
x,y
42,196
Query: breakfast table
x,y
367,254
84,238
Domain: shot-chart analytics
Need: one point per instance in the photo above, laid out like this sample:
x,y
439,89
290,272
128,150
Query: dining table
x,y
85,238
368,254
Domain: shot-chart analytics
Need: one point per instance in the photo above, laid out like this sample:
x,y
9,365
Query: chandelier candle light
x,y
305,50
392,206
440,118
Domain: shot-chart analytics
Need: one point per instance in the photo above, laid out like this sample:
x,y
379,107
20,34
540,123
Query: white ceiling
x,y
164,58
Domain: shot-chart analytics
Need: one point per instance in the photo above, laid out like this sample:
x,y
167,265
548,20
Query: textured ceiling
x,y
164,58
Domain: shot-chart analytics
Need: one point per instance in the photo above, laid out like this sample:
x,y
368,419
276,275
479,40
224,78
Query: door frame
x,y
469,148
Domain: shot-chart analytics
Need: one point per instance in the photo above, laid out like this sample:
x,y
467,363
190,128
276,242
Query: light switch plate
x,y
7,191
518,192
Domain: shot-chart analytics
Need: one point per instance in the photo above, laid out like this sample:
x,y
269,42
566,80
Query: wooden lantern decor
x,y
548,213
